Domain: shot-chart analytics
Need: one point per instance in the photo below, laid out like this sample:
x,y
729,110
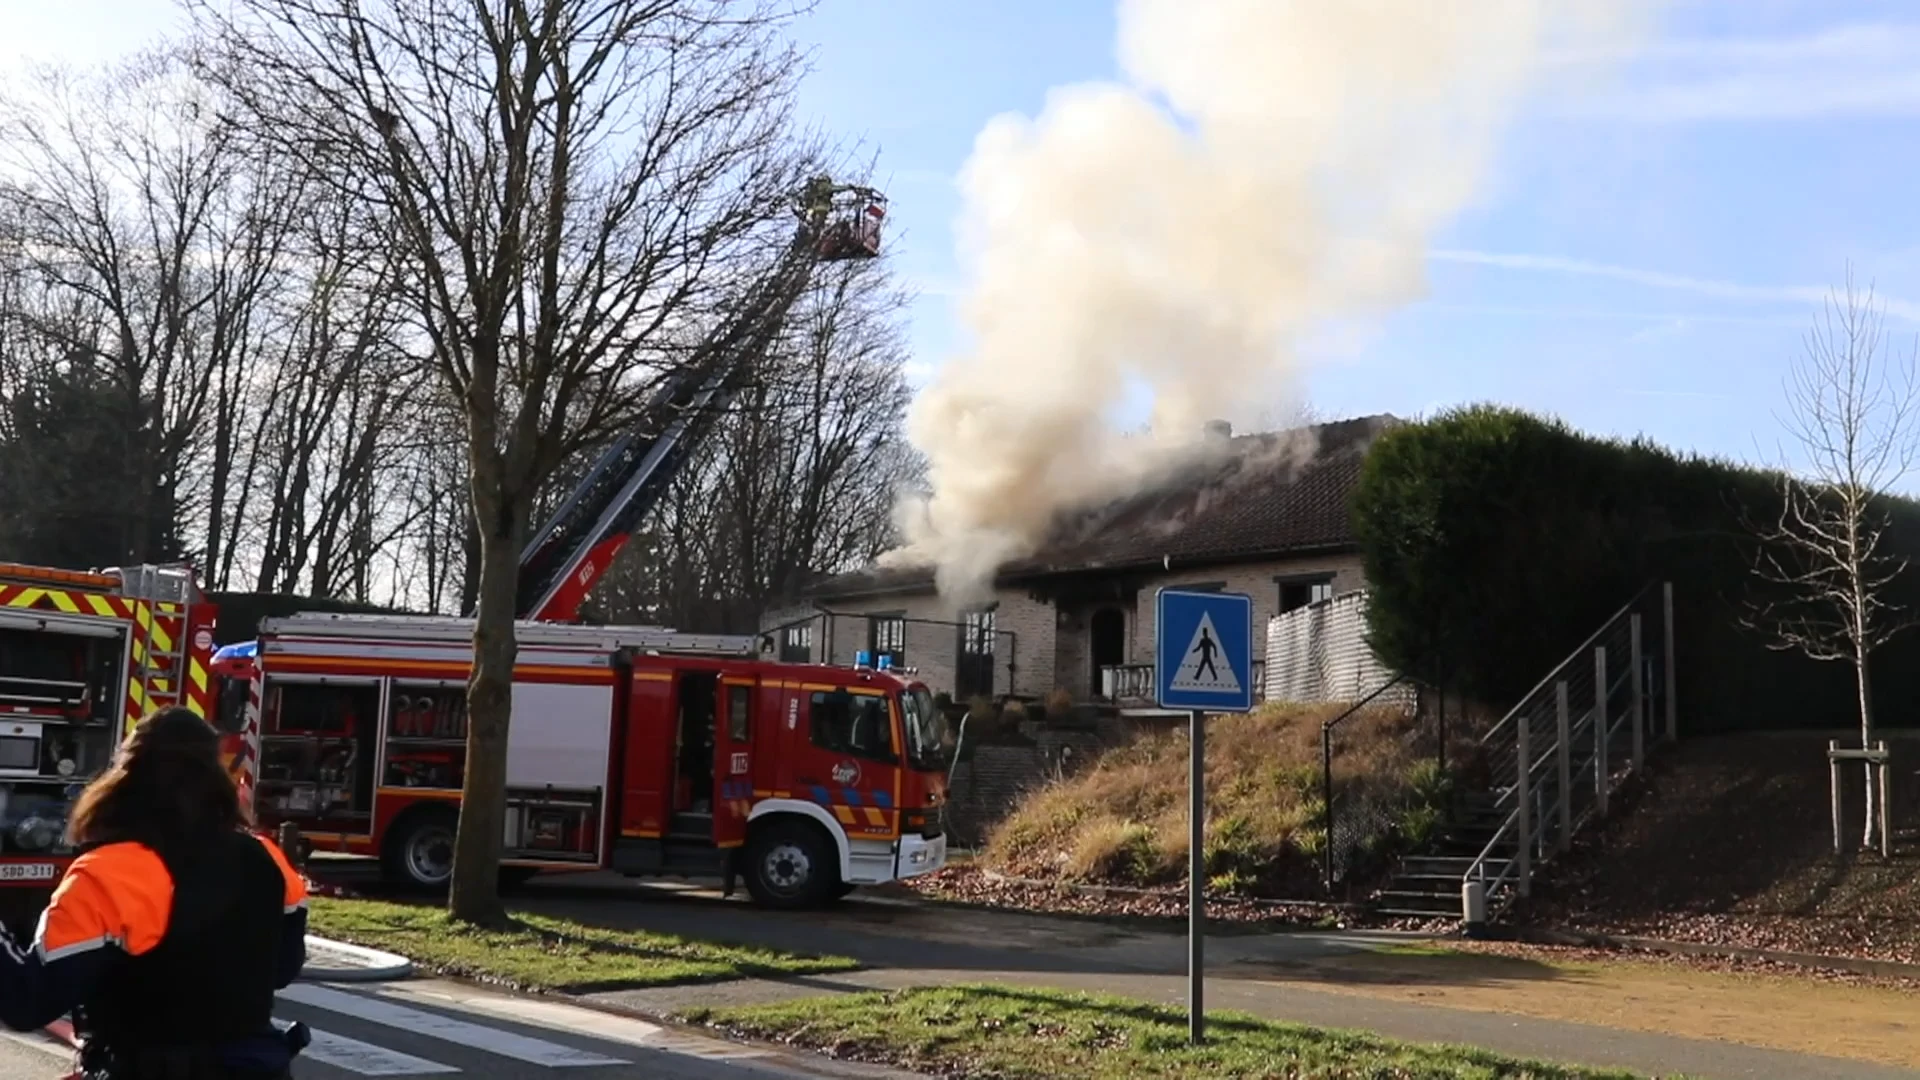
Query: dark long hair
x,y
166,788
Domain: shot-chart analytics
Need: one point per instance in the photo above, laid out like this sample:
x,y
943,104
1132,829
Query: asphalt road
x,y
905,944
429,1028
433,1028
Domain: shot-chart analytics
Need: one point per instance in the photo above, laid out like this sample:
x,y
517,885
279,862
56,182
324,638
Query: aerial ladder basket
x,y
843,220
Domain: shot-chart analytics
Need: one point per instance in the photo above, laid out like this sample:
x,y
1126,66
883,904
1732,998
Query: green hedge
x,y
1496,541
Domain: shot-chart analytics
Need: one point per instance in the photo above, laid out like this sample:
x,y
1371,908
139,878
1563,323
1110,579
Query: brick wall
x,y
1049,649
996,777
1024,636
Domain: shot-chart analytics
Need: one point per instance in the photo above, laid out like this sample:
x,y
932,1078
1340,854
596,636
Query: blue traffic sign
x,y
1204,650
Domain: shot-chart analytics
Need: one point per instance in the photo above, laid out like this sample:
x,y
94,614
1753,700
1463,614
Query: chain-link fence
x,y
1362,805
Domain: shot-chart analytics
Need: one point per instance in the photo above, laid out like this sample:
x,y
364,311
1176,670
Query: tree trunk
x,y
1869,835
473,895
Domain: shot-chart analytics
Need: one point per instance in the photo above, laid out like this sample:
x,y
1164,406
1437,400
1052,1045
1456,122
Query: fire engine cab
x,y
83,654
636,749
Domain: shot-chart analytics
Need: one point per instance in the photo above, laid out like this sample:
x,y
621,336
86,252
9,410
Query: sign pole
x,y
1203,664
1197,883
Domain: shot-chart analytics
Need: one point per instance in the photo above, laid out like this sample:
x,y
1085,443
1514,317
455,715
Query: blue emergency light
x,y
886,661
862,659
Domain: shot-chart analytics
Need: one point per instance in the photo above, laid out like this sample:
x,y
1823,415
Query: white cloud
x,y
1810,295
1861,69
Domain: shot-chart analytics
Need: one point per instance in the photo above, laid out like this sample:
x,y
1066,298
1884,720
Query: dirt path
x,y
1804,1015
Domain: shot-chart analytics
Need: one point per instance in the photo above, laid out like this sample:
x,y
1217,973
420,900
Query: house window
x,y
973,675
977,633
796,644
1296,593
887,636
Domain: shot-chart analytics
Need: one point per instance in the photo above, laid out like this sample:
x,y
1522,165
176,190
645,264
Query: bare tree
x,y
578,183
1850,410
129,199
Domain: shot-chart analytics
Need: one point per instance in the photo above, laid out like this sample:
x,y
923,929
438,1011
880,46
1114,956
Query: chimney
x,y
1219,429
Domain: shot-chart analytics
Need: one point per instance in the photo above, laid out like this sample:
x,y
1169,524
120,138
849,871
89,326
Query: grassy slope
x,y
1729,841
1123,820
540,953
1005,1033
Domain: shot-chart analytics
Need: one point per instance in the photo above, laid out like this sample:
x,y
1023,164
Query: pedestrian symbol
x,y
1202,669
1204,656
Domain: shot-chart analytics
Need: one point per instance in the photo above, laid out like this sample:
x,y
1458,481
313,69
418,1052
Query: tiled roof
x,y
1262,499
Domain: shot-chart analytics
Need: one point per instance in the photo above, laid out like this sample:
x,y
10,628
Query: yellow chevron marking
x,y
26,597
64,602
198,673
100,605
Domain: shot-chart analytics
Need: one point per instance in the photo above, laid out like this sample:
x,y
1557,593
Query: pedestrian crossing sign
x,y
1204,650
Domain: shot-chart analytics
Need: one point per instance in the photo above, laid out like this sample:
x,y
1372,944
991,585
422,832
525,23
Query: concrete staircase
x,y
1554,761
1428,885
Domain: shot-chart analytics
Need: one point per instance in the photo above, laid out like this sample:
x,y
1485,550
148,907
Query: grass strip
x,y
536,952
1016,1033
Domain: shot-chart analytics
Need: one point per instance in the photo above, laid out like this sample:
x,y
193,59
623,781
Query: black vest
x,y
211,979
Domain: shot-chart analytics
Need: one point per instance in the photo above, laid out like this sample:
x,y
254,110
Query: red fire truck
x,y
635,749
82,656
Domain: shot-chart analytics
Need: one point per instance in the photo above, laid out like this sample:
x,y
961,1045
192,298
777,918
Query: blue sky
x,y
1648,265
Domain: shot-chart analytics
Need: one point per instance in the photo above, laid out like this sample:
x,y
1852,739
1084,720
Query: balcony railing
x,y
1133,684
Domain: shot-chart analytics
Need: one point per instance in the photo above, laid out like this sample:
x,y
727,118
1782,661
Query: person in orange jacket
x,y
173,929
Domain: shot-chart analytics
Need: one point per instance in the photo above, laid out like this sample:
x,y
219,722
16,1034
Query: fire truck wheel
x,y
419,851
791,864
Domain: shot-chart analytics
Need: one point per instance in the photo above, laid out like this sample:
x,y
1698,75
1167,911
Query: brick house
x,y
1268,518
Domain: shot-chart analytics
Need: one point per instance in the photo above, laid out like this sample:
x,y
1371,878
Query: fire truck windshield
x,y
924,749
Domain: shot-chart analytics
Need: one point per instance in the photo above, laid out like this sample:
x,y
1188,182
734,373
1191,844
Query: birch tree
x,y
1825,561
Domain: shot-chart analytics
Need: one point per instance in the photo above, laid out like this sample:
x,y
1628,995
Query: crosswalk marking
x,y
367,1059
459,1032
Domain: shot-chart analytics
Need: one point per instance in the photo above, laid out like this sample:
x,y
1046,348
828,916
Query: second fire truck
x,y
83,654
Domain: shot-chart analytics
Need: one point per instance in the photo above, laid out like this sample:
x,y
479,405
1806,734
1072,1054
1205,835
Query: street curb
x,y
379,966
1884,969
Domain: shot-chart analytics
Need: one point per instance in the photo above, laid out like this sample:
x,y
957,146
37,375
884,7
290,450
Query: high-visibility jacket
x,y
177,954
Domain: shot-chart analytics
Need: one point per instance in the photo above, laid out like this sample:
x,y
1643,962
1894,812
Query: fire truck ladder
x,y
578,543
160,653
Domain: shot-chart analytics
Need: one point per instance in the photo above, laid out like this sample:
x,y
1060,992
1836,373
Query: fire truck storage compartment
x,y
427,735
317,745
553,823
63,669
557,747
61,681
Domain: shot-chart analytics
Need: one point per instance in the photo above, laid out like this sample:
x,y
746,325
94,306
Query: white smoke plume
x,y
1267,168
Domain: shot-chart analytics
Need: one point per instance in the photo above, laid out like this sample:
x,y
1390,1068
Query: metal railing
x,y
1559,754
1135,682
